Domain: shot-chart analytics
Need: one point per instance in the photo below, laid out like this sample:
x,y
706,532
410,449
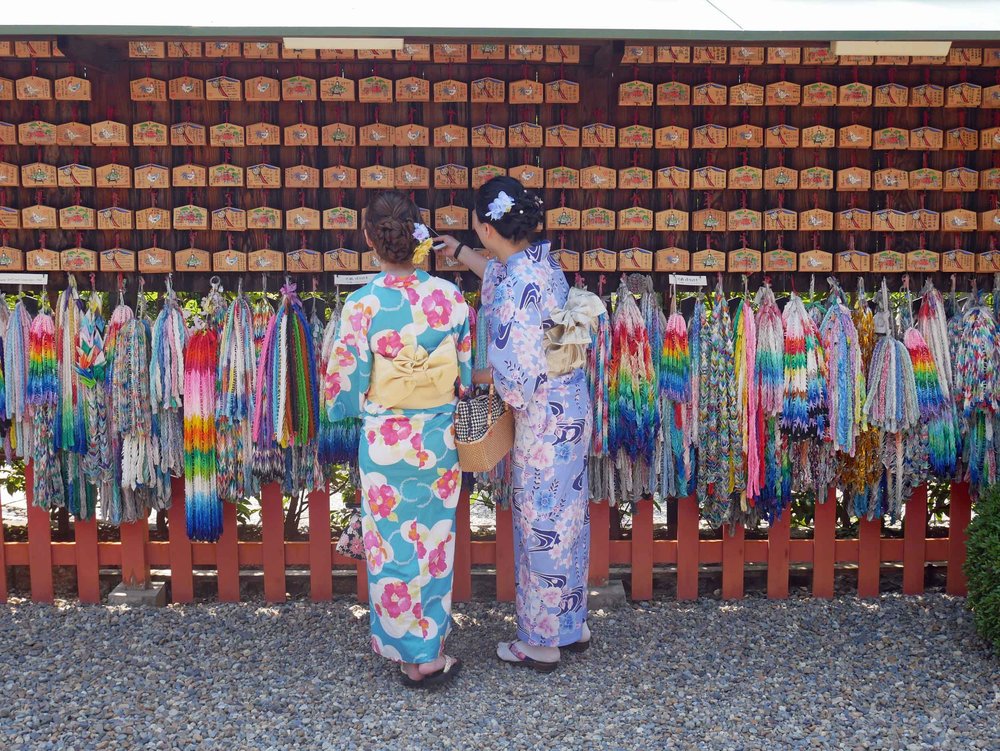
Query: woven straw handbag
x,y
484,431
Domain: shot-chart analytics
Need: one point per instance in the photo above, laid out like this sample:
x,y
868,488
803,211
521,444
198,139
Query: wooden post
x,y
599,547
869,557
915,542
642,549
272,520
88,570
39,543
462,586
135,560
825,545
505,555
320,549
733,558
227,556
777,556
181,558
959,517
687,548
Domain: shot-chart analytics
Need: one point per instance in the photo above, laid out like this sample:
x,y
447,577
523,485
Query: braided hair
x,y
389,222
524,217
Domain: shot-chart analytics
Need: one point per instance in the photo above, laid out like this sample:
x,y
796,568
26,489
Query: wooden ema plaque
x,y
562,218
816,261
191,218
118,259
10,218
42,259
228,219
189,176
891,95
744,260
303,261
923,220
746,137
783,94
38,217
855,137
709,260
489,136
635,259
262,89
923,261
671,220
636,219
340,218
73,89
710,136
114,218
340,134
567,54
892,180
853,220
926,179
483,174
673,259
188,134
959,220
598,136
152,219
451,91
303,134
192,260
33,89
673,94
709,95
448,219
988,262
71,134
635,94
150,133
263,134
11,259
451,177
746,95
600,259
525,135
265,260
958,261
410,136
229,260
781,220
746,55
709,220
38,175
673,178
854,179
569,260
743,220
263,217
779,260
989,179
302,219
673,54
854,95
598,219
341,259
227,135
672,137
710,178
989,221
301,177
852,262
889,220
638,55
960,180
818,137
78,260
781,178
888,262
78,218
562,92
529,175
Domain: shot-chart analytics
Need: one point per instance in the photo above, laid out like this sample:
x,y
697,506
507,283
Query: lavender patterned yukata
x,y
552,435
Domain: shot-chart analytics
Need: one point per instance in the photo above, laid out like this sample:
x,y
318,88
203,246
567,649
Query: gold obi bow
x,y
415,379
566,342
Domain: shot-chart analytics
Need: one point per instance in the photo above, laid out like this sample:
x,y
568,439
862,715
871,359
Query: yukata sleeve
x,y
517,354
349,370
463,343
495,273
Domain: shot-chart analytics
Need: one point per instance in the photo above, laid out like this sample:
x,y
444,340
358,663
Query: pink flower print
x,y
547,626
506,311
345,358
374,550
465,344
361,318
437,562
389,344
437,309
458,297
423,457
333,386
396,429
446,484
406,284
551,597
396,599
382,500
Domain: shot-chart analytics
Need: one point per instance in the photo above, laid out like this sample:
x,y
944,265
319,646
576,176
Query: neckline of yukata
x,y
400,280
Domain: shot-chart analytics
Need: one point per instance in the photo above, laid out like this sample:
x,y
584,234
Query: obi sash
x,y
414,378
569,335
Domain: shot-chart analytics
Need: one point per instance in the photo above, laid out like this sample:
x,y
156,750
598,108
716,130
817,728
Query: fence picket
x,y
88,570
959,517
320,549
39,543
869,557
600,528
642,550
462,587
181,562
778,548
733,560
688,548
505,555
914,542
227,556
272,520
824,545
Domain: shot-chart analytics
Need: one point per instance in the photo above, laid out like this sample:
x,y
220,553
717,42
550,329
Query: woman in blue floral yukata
x,y
403,350
528,306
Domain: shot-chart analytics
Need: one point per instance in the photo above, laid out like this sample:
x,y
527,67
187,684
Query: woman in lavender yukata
x,y
520,294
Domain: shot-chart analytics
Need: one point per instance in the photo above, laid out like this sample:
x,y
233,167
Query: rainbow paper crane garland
x,y
201,493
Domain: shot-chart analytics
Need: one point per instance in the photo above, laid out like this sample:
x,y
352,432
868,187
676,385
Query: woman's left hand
x,y
482,376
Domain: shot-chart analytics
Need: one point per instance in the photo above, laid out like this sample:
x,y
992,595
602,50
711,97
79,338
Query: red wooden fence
x,y
135,553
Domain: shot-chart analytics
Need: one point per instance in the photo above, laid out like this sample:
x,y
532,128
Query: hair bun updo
x,y
522,220
389,221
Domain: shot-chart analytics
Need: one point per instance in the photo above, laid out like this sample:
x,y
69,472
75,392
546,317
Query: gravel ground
x,y
899,673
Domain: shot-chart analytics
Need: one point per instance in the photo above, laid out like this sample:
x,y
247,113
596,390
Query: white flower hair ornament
x,y
500,206
423,237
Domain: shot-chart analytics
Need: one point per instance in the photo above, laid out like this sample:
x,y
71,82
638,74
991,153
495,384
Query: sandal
x,y
524,661
452,667
577,647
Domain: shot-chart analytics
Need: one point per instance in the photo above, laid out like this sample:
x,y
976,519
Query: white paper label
x,y
353,280
39,280
686,280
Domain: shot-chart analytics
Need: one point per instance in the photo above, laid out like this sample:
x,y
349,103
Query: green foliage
x,y
982,565
12,477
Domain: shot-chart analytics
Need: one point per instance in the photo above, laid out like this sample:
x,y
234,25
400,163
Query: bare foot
x,y
412,671
427,668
